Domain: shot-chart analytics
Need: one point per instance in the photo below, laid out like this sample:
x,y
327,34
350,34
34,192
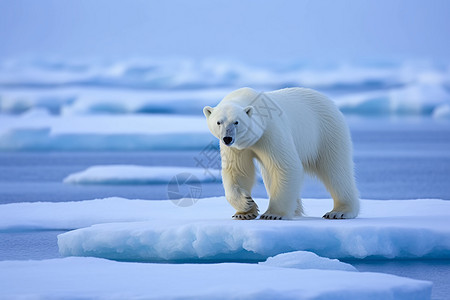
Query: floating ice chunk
x,y
130,174
306,260
91,278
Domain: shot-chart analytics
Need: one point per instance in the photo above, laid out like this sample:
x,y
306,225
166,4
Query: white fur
x,y
289,132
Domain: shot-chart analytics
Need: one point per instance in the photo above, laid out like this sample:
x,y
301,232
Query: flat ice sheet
x,y
205,232
138,230
91,278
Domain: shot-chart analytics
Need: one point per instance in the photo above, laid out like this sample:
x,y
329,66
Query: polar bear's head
x,y
234,125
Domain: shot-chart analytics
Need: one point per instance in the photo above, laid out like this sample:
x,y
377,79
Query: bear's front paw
x,y
270,217
339,215
244,216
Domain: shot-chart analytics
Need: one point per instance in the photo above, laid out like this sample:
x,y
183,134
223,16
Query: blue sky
x,y
247,30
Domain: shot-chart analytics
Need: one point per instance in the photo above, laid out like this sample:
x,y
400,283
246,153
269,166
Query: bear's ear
x,y
207,111
249,110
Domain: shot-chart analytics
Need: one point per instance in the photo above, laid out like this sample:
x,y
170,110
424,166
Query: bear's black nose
x,y
227,140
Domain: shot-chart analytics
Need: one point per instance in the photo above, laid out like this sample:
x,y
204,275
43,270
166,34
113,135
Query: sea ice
x,y
139,230
185,86
306,260
38,130
92,278
205,232
123,132
132,174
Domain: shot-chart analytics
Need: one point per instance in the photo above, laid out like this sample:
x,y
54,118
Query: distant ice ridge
x,y
37,130
416,100
67,101
40,131
131,174
185,86
93,278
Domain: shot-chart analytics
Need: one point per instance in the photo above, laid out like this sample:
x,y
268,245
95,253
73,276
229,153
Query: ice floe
x,y
92,278
133,174
306,260
139,230
204,232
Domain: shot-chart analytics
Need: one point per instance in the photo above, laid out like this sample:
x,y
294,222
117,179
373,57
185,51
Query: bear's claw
x,y
249,216
270,217
337,215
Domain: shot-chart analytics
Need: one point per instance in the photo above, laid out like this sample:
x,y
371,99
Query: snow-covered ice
x,y
205,232
78,214
132,174
92,278
138,230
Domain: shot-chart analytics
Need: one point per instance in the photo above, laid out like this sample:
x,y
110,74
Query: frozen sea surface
x,y
92,278
138,230
385,227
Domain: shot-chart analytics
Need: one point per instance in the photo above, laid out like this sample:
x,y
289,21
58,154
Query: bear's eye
x,y
235,123
218,123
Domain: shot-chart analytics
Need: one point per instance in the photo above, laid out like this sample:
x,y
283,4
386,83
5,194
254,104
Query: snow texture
x,y
205,232
306,260
138,230
92,278
131,174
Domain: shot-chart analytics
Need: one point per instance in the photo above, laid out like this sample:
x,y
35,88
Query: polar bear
x,y
288,132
